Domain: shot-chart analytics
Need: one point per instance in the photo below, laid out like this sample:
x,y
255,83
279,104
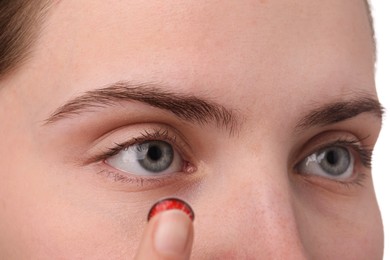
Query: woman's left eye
x,y
334,162
147,158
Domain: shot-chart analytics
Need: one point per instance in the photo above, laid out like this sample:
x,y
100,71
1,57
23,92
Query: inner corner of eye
x,y
189,168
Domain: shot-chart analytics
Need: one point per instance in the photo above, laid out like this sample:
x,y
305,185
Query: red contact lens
x,y
171,203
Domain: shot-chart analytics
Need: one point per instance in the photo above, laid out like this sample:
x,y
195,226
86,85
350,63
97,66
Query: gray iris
x,y
334,160
157,155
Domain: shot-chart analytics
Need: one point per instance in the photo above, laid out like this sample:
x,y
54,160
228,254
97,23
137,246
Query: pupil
x,y
155,156
154,153
331,157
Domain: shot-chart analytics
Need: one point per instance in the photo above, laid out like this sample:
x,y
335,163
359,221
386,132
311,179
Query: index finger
x,y
168,235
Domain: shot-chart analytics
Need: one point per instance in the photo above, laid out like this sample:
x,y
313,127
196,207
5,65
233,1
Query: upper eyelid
x,y
143,137
333,138
161,133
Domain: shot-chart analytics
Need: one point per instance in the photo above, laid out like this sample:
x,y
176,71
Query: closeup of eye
x,y
147,158
334,162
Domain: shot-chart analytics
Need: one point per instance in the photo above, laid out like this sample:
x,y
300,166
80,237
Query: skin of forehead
x,y
182,44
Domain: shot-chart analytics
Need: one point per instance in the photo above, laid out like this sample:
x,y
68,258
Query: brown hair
x,y
19,23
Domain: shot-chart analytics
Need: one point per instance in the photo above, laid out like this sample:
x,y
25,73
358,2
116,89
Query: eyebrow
x,y
184,106
197,110
340,111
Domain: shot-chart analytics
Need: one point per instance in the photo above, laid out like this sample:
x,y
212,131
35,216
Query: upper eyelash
x,y
364,153
155,134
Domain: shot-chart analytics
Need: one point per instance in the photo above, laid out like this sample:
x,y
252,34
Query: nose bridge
x,y
258,217
274,222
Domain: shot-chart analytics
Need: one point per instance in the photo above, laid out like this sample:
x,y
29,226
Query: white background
x,y
381,159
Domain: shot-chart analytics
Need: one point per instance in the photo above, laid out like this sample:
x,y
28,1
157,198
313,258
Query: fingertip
x,y
173,234
168,235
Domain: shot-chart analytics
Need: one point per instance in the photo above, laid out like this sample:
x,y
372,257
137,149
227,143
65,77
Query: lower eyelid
x,y
125,182
334,186
112,175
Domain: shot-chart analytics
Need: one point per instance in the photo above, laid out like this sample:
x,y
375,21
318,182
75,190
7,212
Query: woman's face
x,y
261,114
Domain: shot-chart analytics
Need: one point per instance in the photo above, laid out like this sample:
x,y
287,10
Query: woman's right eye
x,y
149,158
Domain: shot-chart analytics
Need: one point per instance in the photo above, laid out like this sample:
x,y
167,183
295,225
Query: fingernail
x,y
171,203
172,233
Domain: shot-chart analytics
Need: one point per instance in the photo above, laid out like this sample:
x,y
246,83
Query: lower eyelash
x,y
122,178
359,181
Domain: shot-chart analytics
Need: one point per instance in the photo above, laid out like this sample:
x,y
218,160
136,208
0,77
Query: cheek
x,y
361,229
361,239
47,214
341,227
52,228
71,234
